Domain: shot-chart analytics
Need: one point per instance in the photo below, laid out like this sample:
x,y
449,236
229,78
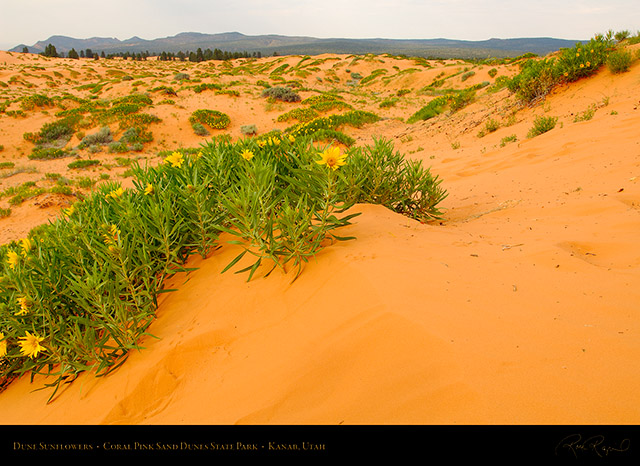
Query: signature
x,y
594,444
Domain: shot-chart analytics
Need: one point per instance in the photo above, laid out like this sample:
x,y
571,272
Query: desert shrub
x,y
199,129
329,105
388,102
377,174
87,285
84,163
461,99
7,165
402,92
619,61
492,72
284,94
181,77
212,118
206,86
5,212
541,125
135,135
538,77
586,115
249,130
102,137
490,126
320,98
47,153
55,134
467,75
36,100
535,80
231,92
302,114
434,108
332,136
507,139
165,90
118,147
622,35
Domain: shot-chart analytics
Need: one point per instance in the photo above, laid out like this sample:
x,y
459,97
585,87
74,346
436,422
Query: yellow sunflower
x,y
247,154
30,345
332,158
175,159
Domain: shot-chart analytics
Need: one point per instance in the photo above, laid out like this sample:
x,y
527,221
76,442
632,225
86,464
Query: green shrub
x,y
619,61
43,153
467,75
83,163
492,72
36,100
199,129
212,118
542,125
507,139
377,174
586,115
89,282
5,212
118,147
434,108
7,165
181,77
206,86
249,130
490,126
284,94
301,114
102,137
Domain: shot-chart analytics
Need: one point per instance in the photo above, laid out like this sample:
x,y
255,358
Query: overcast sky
x,y
28,21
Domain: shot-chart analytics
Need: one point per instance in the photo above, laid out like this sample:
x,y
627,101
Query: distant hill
x,y
293,45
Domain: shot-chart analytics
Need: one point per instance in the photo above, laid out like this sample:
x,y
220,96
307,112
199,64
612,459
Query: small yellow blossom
x,y
577,55
30,345
12,259
581,65
261,143
24,306
116,193
291,138
332,158
247,154
566,74
3,345
175,159
588,63
69,210
148,190
25,243
112,236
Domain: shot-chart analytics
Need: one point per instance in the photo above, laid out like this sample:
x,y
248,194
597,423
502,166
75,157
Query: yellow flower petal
x,y
30,345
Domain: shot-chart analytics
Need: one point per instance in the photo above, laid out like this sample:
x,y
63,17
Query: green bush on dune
x,y
78,293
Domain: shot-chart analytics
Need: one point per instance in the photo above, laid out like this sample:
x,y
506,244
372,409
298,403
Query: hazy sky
x,y
28,21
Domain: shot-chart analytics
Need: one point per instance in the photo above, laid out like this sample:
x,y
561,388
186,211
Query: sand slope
x,y
519,307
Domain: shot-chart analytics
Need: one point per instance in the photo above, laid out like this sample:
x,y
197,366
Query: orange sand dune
x,y
519,307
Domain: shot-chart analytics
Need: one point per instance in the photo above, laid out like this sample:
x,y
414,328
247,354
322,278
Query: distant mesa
x,y
298,45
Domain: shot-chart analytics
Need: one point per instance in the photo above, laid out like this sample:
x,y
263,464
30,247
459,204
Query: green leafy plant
x,y
541,125
285,94
212,118
619,61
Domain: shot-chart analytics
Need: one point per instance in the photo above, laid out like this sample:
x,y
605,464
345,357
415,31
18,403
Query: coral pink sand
x,y
519,307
